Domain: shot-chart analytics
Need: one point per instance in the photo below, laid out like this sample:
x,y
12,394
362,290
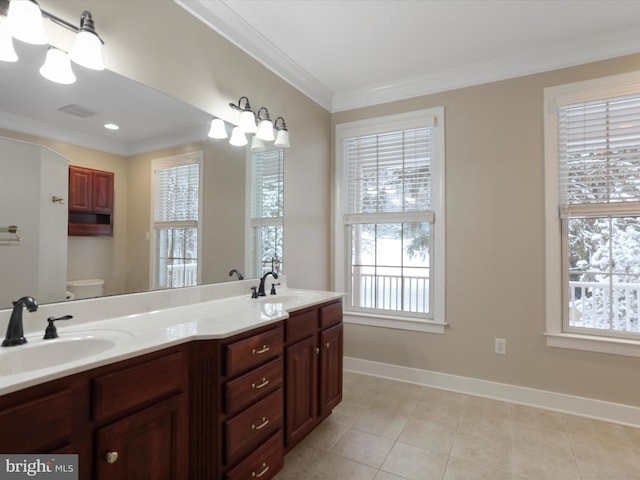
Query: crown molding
x,y
224,20
220,17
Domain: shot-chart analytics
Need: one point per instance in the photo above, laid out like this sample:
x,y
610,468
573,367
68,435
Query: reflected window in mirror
x,y
266,187
176,200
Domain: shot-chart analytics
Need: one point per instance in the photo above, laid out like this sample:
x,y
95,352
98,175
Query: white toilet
x,y
93,287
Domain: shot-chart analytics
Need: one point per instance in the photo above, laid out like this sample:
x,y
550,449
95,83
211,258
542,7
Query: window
x,y
175,227
267,211
593,209
390,220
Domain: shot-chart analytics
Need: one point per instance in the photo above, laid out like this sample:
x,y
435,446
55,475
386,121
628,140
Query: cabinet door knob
x,y
265,469
112,457
327,345
317,350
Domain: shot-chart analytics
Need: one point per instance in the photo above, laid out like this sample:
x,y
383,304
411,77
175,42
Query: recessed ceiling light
x,y
111,126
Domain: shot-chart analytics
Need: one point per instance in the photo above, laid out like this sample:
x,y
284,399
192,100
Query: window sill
x,y
592,343
396,322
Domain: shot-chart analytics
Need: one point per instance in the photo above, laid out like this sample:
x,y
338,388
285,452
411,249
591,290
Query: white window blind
x,y
177,193
599,157
267,184
388,173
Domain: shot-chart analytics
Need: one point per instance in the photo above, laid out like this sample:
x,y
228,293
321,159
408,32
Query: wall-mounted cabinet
x,y
90,202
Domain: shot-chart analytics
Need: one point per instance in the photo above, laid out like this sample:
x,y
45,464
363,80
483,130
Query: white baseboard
x,y
559,402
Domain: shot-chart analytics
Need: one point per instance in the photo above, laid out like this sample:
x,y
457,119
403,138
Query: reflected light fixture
x,y
87,49
218,129
247,119
57,67
111,126
257,145
238,138
7,52
282,137
265,127
25,22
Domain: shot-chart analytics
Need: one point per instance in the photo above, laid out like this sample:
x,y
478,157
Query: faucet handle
x,y
254,292
273,288
51,331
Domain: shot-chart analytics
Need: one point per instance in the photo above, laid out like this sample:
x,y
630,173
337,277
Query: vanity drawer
x,y
253,426
330,315
301,325
264,463
253,351
37,425
129,387
253,385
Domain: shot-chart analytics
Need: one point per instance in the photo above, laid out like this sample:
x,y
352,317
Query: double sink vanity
x,y
216,386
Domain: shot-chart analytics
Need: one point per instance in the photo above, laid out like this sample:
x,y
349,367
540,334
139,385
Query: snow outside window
x,y
176,207
391,217
267,210
597,210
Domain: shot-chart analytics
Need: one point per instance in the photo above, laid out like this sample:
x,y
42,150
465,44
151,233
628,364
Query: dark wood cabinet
x,y
237,406
120,427
91,194
313,368
144,445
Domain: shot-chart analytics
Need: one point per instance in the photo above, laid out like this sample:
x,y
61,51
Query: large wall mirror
x,y
68,121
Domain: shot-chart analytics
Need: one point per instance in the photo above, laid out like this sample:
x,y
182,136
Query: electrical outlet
x,y
501,346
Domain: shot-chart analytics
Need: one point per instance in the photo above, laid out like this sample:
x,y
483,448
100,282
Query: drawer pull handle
x,y
264,349
264,383
264,423
265,469
112,457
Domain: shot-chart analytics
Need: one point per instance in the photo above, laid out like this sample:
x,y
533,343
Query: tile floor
x,y
388,430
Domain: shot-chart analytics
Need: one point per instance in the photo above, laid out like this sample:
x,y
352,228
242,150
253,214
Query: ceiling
x,y
347,54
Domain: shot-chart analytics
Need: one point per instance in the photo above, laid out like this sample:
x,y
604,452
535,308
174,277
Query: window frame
x,y
252,224
556,274
164,163
432,117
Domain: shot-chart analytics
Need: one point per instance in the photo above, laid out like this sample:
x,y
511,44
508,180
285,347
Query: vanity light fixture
x,y
218,129
238,137
111,126
57,67
87,49
282,137
257,145
265,127
25,22
247,119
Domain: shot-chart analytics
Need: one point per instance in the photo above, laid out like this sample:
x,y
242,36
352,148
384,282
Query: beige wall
x,y
495,285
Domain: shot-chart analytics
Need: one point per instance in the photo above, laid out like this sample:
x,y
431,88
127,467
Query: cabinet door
x,y
330,369
149,445
80,189
302,389
102,196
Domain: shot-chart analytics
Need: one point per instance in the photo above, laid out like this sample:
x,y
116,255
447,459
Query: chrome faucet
x,y
261,292
15,333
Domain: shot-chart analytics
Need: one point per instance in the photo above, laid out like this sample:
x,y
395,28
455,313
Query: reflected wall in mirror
x,y
152,125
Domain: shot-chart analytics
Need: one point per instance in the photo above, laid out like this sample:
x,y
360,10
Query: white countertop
x,y
129,336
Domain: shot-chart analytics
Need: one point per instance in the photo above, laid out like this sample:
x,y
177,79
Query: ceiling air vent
x,y
78,111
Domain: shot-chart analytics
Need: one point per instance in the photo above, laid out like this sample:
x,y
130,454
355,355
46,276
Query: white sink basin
x,y
39,354
285,298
